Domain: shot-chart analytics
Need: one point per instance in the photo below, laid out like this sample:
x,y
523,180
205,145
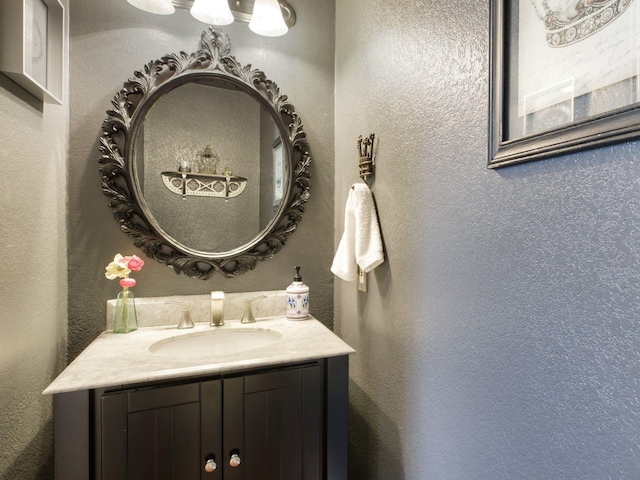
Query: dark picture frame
x,y
526,124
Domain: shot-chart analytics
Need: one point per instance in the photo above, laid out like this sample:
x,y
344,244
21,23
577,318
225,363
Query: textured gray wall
x,y
500,340
33,286
109,41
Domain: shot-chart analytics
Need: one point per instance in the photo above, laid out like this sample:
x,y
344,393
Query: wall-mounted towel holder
x,y
367,168
366,162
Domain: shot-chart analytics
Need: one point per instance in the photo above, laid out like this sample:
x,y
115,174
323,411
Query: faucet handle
x,y
248,312
185,321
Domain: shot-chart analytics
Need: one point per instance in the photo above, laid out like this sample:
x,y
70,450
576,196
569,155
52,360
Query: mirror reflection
x,y
209,167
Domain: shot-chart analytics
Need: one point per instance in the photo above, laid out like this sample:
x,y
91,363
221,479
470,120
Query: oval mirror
x,y
205,162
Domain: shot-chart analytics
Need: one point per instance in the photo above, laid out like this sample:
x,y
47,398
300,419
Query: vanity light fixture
x,y
267,19
159,7
213,12
271,18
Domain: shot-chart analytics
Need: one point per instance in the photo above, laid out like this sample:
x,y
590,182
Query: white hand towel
x,y
361,242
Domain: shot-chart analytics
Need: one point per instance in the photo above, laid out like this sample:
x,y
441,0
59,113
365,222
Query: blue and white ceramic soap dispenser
x,y
297,298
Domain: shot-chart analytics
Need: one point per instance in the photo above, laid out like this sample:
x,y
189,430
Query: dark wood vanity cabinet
x,y
281,423
270,421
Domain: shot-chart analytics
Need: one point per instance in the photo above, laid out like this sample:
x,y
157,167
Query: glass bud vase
x,y
125,319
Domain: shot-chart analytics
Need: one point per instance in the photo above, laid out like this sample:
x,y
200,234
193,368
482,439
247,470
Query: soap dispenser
x,y
297,298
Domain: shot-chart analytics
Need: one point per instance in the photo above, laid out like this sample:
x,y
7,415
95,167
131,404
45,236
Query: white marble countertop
x,y
121,359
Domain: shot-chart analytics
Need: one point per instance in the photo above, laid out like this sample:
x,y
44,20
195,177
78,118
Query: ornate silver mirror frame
x,y
211,63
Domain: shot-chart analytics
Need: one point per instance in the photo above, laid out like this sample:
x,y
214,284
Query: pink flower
x,y
128,282
134,263
121,267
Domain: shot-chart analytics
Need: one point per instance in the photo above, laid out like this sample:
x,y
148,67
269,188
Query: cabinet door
x,y
273,423
161,433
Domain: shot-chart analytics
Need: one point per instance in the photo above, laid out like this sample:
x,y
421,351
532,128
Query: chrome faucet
x,y
217,309
185,321
248,312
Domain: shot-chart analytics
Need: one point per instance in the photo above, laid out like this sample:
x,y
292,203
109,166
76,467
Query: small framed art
x,y
31,45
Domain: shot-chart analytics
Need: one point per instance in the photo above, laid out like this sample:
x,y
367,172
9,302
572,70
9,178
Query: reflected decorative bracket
x,y
204,184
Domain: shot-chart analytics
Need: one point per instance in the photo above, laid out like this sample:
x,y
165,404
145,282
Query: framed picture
x,y
564,77
31,45
278,173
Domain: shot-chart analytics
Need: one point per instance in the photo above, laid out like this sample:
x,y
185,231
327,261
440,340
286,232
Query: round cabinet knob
x,y
210,466
235,461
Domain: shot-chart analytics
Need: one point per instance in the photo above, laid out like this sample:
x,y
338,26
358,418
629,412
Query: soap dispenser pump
x,y
297,298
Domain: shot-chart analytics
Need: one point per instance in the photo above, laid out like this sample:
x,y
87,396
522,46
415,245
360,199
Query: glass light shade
x,y
161,7
267,19
213,12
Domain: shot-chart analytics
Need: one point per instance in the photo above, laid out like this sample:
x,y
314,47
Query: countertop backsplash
x,y
154,311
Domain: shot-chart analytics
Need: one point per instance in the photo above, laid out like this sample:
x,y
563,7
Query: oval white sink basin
x,y
215,343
